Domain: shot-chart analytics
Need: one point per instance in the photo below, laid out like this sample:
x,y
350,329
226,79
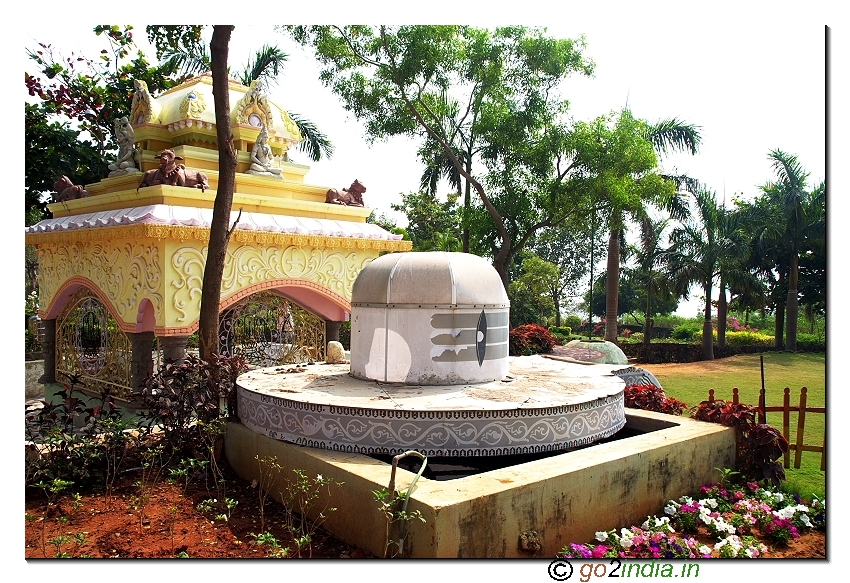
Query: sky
x,y
731,81
729,77
751,75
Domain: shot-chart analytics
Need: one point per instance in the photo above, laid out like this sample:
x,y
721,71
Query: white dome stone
x,y
429,318
433,277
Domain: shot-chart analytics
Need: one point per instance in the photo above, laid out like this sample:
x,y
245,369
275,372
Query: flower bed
x,y
735,522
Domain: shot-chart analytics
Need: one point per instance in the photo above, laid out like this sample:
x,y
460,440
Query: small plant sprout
x,y
726,476
299,500
269,471
51,489
393,505
269,540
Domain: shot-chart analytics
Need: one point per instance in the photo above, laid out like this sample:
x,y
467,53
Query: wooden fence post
x,y
801,424
786,424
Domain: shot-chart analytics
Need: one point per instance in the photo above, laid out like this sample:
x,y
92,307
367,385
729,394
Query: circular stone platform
x,y
543,405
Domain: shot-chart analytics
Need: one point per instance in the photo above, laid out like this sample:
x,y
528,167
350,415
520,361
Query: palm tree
x,y
803,219
700,249
265,66
665,136
438,165
650,256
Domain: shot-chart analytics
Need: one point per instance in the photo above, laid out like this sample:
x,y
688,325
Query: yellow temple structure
x,y
121,270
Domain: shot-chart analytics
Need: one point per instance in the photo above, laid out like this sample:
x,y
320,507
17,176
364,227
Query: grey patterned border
x,y
434,433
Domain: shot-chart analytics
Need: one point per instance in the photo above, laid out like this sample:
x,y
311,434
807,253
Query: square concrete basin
x,y
530,509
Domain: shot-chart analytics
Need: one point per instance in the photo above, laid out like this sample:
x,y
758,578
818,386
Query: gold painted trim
x,y
184,233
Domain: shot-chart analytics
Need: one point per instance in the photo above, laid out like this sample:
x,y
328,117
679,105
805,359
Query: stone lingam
x,y
430,371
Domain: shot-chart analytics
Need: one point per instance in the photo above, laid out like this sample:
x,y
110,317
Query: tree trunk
x,y
721,315
467,205
707,331
612,286
779,326
647,317
793,307
219,233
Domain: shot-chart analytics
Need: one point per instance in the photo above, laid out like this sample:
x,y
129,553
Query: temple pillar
x,y
174,348
49,346
332,331
141,365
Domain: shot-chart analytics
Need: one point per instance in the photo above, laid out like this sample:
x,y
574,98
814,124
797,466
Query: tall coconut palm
x,y
699,249
803,217
665,136
650,257
265,66
438,165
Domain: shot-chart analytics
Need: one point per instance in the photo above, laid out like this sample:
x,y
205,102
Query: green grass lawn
x,y
690,383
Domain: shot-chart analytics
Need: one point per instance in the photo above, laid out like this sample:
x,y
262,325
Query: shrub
x,y
759,445
77,437
561,333
562,330
652,398
687,331
810,342
636,338
183,398
572,321
748,338
530,339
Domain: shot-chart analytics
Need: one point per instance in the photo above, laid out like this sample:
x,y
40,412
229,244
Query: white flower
x,y
805,520
709,502
686,500
670,509
704,550
318,477
601,536
751,552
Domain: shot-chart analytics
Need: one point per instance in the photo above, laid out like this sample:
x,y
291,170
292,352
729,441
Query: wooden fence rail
x,y
797,446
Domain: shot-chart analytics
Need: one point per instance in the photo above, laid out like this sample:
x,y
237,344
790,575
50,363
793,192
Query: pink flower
x,y
599,551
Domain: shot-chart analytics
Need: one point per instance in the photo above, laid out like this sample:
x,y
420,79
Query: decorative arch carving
x,y
253,109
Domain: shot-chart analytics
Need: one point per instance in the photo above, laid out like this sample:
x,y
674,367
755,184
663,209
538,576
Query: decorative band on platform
x,y
438,433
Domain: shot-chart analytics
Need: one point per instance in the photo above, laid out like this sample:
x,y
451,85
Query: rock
x,y
335,353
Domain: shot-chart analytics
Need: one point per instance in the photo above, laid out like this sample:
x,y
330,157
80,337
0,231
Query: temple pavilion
x,y
121,270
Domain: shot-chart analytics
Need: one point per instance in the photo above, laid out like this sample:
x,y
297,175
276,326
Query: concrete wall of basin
x,y
527,510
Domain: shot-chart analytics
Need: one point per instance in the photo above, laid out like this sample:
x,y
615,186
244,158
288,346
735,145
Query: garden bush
x,y
747,338
562,330
760,446
573,322
562,334
652,398
811,342
184,398
687,331
530,339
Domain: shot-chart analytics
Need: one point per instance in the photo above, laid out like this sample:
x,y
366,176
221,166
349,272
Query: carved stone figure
x,y
66,190
144,109
174,174
351,196
262,157
126,138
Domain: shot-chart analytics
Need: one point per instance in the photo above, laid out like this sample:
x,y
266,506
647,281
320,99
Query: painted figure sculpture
x,y
351,196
